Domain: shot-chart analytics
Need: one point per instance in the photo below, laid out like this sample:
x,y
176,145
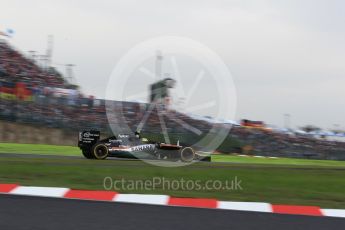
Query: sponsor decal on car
x,y
87,134
147,147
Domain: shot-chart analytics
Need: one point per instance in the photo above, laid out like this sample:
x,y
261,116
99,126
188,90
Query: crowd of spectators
x,y
264,142
14,67
57,115
267,142
42,108
58,112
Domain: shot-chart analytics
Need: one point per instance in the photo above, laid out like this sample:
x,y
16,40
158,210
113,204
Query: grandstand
x,y
15,68
43,98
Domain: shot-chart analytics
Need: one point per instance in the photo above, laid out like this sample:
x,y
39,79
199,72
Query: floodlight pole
x,y
287,118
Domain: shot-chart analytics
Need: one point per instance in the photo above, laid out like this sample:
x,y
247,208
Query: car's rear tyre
x,y
87,154
100,151
187,154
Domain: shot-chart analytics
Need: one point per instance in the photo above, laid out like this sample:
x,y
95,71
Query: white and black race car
x,y
132,146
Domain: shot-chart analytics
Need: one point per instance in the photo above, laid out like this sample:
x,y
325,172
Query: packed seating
x,y
267,142
43,107
21,69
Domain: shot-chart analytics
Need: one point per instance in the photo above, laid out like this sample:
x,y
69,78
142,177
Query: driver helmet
x,y
137,134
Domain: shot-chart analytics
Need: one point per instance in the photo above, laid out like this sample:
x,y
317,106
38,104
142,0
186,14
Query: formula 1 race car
x,y
132,146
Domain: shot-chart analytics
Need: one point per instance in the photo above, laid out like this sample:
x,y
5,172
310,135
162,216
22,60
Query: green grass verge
x,y
276,161
75,151
39,149
281,182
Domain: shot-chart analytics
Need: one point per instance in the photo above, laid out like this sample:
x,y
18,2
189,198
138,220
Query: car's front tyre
x,y
187,154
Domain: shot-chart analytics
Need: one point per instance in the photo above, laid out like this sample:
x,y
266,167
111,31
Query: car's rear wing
x,y
88,138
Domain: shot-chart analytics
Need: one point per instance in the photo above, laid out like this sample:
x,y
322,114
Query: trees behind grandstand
x,y
310,128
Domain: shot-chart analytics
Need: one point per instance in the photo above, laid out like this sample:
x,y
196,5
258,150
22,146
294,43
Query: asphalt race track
x,y
23,212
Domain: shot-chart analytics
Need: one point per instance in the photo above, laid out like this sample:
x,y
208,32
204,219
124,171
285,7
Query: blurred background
x,y
286,58
40,104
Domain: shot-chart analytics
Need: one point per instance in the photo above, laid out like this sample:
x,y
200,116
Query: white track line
x,y
40,191
333,212
245,206
142,199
